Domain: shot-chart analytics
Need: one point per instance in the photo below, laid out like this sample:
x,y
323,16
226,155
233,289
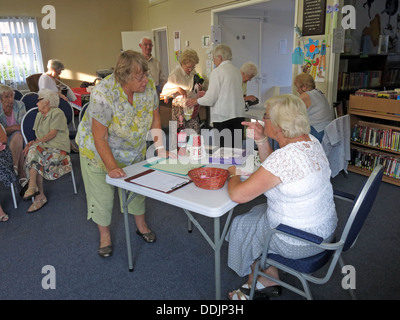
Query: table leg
x,y
215,245
127,232
217,257
190,229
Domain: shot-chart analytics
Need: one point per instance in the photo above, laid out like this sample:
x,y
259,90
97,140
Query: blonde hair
x,y
189,56
224,51
305,79
249,69
129,63
289,113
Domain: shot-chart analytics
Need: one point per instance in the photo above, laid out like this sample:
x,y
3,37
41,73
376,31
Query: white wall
x,y
276,67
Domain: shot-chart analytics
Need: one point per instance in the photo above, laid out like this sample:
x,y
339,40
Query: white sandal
x,y
238,295
4,218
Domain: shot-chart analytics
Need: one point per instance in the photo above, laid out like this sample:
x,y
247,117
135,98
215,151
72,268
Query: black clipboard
x,y
184,181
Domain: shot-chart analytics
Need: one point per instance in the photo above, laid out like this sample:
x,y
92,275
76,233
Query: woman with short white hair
x,y
248,70
47,156
296,181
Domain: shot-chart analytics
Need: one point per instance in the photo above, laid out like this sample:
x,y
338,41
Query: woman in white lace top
x,y
296,181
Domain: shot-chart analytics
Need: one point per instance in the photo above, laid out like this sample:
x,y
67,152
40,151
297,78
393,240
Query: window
x,y
20,53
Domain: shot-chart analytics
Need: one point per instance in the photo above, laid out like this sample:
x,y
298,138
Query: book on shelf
x,y
357,80
388,139
368,159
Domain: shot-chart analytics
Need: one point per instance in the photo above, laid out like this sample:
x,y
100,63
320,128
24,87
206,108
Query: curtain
x,y
20,53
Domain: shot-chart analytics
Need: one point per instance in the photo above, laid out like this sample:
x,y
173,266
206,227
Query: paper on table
x,y
176,167
159,181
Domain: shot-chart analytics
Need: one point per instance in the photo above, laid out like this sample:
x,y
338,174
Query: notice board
x,y
314,12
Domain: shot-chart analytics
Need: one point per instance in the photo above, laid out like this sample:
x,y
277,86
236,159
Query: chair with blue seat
x,y
30,99
29,134
17,94
69,114
303,269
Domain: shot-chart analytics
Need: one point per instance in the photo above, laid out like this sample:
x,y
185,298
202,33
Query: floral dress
x,y
7,174
128,124
50,159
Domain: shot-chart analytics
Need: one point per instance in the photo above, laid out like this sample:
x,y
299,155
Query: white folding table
x,y
210,203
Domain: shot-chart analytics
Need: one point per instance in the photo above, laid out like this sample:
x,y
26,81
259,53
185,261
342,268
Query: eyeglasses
x,y
141,77
40,99
265,116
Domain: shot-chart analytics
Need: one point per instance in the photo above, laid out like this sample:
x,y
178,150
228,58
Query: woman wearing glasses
x,y
47,156
123,108
296,181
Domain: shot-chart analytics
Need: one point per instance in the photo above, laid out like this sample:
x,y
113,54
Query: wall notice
x,y
314,12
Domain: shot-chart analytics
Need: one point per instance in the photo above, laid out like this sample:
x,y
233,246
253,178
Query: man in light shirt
x,y
155,70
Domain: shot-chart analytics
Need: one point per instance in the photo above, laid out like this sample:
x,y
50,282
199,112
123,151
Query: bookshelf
x,y
375,136
375,71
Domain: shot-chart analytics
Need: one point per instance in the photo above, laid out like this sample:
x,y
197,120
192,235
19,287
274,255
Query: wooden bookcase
x,y
374,71
375,133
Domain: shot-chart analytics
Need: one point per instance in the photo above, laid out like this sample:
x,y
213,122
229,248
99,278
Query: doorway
x,y
131,40
273,39
243,36
160,40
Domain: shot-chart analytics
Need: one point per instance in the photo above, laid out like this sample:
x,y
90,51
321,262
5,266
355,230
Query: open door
x,y
131,40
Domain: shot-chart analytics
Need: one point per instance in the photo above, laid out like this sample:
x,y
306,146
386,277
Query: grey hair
x,y
289,113
146,37
5,89
55,64
249,69
51,96
224,51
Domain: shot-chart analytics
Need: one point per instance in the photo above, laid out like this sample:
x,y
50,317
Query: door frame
x,y
157,45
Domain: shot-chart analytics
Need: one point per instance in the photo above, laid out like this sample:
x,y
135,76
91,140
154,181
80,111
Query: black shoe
x,y
148,237
268,292
105,251
265,293
24,187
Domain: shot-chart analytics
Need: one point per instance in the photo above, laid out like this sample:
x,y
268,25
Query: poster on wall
x,y
177,44
314,17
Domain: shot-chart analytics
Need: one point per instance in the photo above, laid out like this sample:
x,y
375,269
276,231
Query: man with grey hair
x,y
155,70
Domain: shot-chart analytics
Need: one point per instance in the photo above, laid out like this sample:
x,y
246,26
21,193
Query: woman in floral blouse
x,y
123,108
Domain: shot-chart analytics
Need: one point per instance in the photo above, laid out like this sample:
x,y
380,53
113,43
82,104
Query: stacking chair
x,y
304,268
29,134
30,99
82,112
33,82
69,114
17,94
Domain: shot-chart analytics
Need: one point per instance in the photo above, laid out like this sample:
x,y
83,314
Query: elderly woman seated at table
x,y
296,181
11,113
7,174
47,156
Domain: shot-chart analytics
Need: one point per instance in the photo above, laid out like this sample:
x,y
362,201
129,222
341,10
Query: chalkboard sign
x,y
314,12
